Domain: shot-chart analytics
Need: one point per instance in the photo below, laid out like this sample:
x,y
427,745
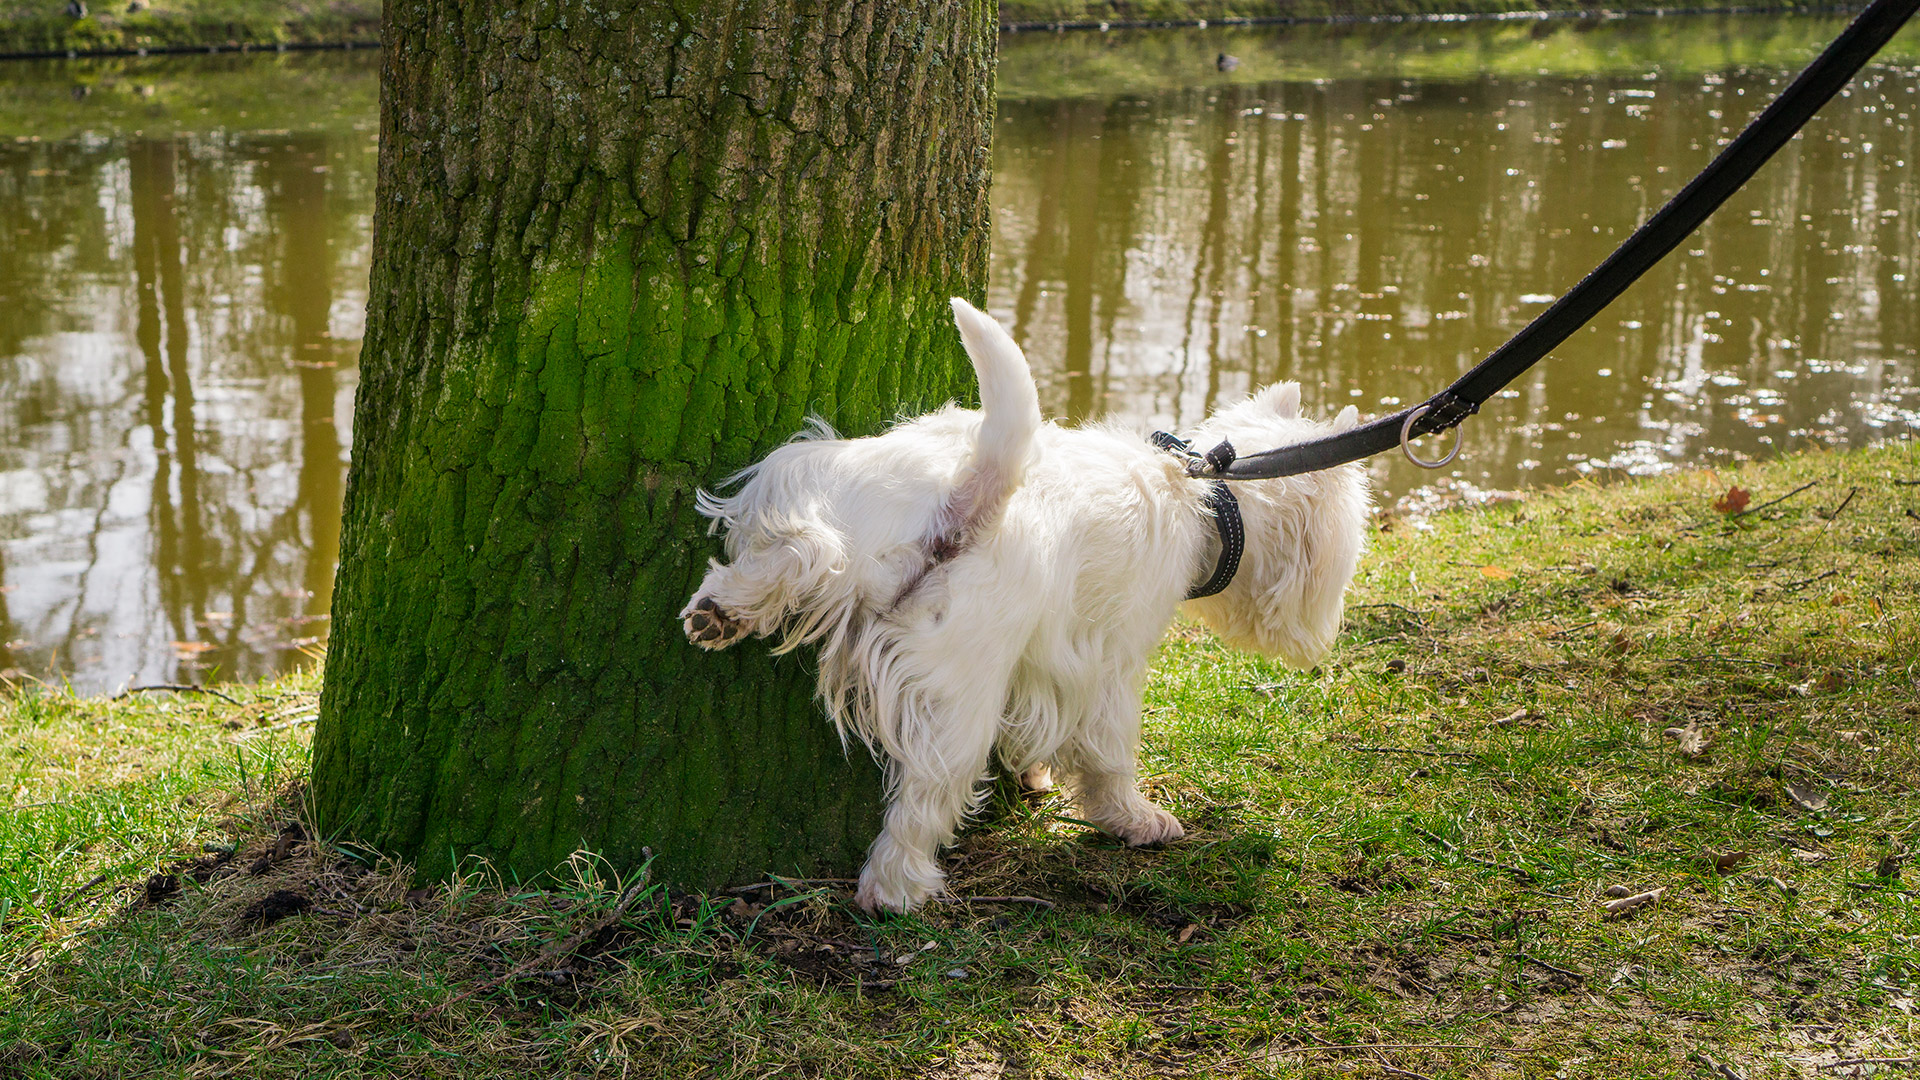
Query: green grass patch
x,y
46,26
1040,13
1396,864
1137,63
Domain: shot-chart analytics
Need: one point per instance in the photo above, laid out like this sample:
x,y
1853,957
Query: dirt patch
x,y
164,887
276,905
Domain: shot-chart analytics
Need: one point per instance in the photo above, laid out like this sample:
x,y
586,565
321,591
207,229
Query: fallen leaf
x,y
1186,933
1839,599
1855,738
1634,902
1691,740
1726,863
1734,501
1807,798
1495,572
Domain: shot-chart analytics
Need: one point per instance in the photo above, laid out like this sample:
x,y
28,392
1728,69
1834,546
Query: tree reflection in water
x,y
180,317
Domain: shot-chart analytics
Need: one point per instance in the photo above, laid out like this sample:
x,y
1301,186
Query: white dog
x,y
986,582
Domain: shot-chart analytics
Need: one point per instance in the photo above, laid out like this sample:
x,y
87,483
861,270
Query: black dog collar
x,y
1220,500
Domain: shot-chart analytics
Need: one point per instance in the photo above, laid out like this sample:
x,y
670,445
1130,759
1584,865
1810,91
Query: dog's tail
x,y
1009,421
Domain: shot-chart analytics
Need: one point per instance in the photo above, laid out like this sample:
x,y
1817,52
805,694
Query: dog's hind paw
x,y
709,626
1037,780
1155,827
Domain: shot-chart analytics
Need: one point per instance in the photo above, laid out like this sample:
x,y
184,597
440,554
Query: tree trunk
x,y
620,252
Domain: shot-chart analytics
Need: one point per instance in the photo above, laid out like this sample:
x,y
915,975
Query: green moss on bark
x,y
619,253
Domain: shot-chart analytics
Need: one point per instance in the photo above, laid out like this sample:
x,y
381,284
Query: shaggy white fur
x,y
982,583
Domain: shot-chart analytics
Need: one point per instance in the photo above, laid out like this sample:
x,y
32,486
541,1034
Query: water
x,y
1368,211
1371,216
182,282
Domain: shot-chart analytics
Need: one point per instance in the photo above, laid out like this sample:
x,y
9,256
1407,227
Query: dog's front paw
x,y
897,878
877,897
1155,826
709,626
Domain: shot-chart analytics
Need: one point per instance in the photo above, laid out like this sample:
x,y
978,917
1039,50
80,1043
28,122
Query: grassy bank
x,y
1041,13
1142,62
1396,864
45,27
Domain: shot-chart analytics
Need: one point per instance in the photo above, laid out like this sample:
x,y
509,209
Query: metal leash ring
x,y
1406,441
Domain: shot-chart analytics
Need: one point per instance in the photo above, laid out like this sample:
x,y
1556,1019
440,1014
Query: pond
x,y
1367,210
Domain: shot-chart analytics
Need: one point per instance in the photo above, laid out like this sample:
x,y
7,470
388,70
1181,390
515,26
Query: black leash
x,y
1225,507
1650,243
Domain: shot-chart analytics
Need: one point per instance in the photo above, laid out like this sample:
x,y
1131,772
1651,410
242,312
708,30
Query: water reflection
x,y
1375,236
179,317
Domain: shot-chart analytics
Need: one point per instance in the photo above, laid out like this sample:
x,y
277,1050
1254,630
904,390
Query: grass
x,y
1040,67
1395,864
44,26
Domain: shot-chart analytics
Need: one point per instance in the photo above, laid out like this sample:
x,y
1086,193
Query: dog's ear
x,y
1282,399
1348,417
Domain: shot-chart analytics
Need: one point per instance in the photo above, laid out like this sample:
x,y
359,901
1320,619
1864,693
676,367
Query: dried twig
x,y
1556,969
790,883
1633,903
61,903
1044,905
1321,1048
1453,848
1792,585
178,688
1420,615
1870,1061
1776,502
1406,750
270,728
1844,503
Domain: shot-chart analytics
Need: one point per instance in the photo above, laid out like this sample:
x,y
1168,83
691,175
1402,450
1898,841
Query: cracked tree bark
x,y
621,251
